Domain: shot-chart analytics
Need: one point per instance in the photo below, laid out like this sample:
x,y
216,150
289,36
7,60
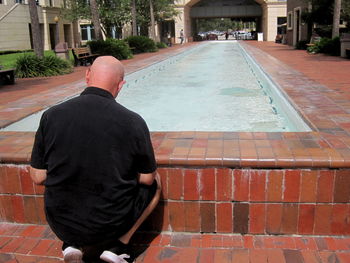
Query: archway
x,y
265,12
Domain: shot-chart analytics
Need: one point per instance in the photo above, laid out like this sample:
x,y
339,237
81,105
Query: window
x,y
50,3
290,20
1,2
87,32
19,1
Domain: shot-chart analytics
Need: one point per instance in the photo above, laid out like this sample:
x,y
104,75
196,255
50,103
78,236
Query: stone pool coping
x,y
327,146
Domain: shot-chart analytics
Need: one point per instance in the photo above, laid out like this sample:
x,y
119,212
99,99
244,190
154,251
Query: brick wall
x,y
255,201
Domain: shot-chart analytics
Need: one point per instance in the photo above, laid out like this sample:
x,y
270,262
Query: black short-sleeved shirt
x,y
93,148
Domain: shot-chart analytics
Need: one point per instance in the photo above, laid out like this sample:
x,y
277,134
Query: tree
x,y
95,17
152,33
35,26
336,18
134,17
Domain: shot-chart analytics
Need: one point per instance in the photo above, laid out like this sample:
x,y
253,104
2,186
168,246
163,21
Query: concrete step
x,y
28,243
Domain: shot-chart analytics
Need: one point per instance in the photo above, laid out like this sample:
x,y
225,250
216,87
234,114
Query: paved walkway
x,y
324,100
34,244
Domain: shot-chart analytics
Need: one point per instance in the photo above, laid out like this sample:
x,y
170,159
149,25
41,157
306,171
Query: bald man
x,y
97,163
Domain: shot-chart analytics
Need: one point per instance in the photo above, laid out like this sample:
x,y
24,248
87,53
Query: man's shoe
x,y
72,255
111,257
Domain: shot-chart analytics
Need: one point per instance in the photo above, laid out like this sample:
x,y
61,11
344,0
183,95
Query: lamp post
x,y
57,31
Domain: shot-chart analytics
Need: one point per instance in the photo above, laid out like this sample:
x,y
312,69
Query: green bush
x,y
29,66
161,45
111,47
327,46
141,44
301,45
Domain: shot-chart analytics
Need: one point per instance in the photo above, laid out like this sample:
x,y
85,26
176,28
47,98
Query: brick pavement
x,y
317,85
36,243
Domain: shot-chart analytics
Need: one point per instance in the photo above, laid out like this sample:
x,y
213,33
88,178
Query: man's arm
x,y
147,179
38,175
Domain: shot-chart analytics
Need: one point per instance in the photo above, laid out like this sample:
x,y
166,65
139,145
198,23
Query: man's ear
x,y
120,86
87,76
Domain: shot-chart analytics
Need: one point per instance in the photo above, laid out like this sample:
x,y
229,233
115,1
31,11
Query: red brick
x,y
176,216
207,217
175,187
310,256
222,255
257,185
290,219
241,218
257,216
303,243
273,218
191,184
241,185
240,255
248,241
13,183
30,210
55,250
26,182
192,216
206,256
342,186
258,256
3,179
292,186
308,191
6,211
323,219
39,189
340,219
27,245
275,256
274,186
13,245
39,200
306,219
224,217
163,174
18,209
42,247
325,188
224,185
207,188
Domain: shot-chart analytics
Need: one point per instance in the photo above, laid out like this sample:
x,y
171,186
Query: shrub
x,y
29,66
161,45
301,45
111,47
141,44
327,45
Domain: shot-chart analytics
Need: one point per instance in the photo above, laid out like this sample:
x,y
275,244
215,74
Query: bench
x,y
7,76
83,55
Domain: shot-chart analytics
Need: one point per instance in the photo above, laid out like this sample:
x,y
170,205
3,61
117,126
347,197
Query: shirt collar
x,y
97,91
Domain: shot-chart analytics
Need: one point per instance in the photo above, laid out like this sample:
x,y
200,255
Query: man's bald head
x,y
106,73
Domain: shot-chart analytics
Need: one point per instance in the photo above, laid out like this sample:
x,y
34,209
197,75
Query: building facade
x,y
297,30
15,24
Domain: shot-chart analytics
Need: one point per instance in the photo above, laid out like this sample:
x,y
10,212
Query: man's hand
x,y
147,179
38,175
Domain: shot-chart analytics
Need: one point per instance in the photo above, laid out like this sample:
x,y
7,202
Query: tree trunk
x,y
336,18
35,26
133,14
153,35
96,19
